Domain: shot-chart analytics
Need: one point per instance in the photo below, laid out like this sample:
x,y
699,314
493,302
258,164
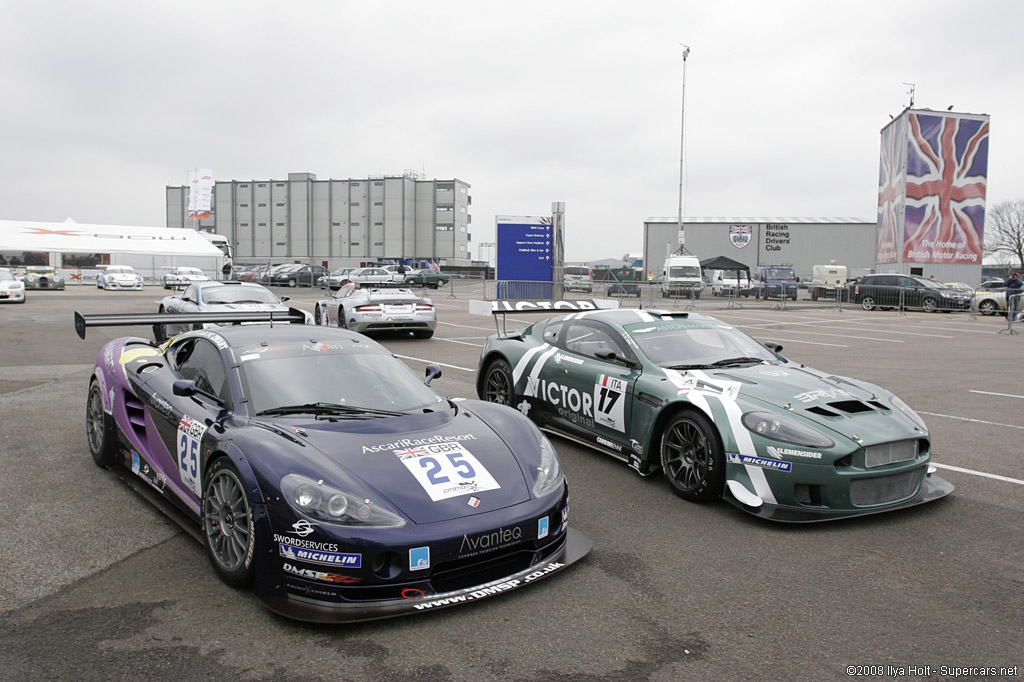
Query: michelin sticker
x,y
446,470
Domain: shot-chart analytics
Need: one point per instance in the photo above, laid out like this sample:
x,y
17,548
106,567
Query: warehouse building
x,y
336,223
799,242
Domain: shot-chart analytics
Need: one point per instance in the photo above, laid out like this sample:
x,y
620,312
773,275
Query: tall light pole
x,y
682,148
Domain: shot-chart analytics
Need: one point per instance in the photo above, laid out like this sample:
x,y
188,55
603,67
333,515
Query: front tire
x,y
229,534
498,385
322,317
987,307
100,429
692,458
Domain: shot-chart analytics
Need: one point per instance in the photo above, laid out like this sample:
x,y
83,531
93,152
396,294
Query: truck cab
x,y
681,277
774,282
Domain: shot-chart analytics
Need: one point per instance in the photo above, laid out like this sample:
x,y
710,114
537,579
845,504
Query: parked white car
x,y
183,276
12,289
119,277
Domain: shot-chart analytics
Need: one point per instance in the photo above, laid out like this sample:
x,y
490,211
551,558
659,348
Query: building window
x,y
445,228
279,184
243,206
355,184
355,203
442,186
355,243
280,224
243,185
279,204
378,183
261,205
262,184
243,224
262,225
378,243
337,224
355,224
378,203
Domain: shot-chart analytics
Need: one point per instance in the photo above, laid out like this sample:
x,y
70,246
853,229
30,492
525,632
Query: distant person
x,y
402,269
226,270
1014,290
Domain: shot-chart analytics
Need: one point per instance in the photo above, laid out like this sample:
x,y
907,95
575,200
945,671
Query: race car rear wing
x,y
291,316
549,307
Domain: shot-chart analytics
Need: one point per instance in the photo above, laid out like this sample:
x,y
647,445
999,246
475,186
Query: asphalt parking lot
x,y
96,584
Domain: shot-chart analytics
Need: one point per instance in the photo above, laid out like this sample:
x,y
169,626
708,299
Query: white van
x,y
730,283
577,278
681,276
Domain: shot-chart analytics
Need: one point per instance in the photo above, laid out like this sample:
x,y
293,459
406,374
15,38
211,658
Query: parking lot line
x,y
434,362
978,473
1005,395
968,419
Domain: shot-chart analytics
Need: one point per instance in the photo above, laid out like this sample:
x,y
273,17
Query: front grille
x,y
865,492
887,453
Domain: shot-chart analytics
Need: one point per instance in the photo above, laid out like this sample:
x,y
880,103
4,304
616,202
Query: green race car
x,y
721,413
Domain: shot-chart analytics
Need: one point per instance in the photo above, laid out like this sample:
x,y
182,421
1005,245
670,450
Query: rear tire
x,y
867,303
423,333
692,458
498,385
229,533
100,429
930,305
987,307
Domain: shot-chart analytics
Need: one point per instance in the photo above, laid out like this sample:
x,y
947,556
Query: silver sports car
x,y
218,297
378,310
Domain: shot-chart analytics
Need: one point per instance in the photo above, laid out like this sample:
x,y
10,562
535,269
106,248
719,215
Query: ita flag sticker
x,y
446,470
609,401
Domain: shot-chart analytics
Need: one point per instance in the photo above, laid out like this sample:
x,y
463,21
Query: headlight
x,y
785,430
31,278
329,504
905,409
549,473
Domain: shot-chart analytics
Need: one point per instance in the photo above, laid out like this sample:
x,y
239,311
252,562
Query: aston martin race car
x,y
317,468
721,414
218,297
378,310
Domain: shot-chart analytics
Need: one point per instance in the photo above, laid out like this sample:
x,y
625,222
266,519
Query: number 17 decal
x,y
609,402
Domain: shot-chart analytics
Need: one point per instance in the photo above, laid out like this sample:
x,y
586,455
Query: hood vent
x,y
851,406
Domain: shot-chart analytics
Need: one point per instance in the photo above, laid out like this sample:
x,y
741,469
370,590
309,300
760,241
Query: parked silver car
x,y
218,297
378,310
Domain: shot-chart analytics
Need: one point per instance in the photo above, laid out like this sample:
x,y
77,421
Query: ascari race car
x,y
378,310
720,413
12,289
218,297
316,467
181,277
119,277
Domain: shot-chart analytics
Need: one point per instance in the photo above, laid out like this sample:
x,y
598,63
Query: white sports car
x,y
12,289
378,310
119,277
183,276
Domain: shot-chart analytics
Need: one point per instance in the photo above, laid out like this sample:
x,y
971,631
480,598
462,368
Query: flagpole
x,y
682,151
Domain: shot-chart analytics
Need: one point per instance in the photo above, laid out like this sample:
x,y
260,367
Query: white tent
x,y
80,247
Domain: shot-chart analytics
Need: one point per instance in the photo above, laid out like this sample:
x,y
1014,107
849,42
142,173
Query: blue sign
x,y
525,249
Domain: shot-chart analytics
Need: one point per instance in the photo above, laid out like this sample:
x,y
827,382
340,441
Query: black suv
x,y
907,291
299,275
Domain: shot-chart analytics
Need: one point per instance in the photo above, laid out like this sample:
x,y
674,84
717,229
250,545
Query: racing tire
x,y
987,307
160,330
691,457
423,333
930,305
100,430
498,385
229,533
867,303
322,317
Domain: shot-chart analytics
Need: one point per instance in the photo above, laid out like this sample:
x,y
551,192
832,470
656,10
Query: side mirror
x,y
284,298
614,356
773,347
432,372
188,389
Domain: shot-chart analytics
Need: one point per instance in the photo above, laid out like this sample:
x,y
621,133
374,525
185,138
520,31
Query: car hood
x,y
392,456
857,410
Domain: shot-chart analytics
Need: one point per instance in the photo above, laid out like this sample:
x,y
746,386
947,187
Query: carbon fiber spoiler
x,y
293,315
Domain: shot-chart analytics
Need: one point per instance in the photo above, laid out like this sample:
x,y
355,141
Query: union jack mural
x,y
891,183
932,182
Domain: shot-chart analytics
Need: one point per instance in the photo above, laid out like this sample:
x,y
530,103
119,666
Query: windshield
x,y
189,271
684,271
6,275
119,270
237,294
696,342
300,374
779,273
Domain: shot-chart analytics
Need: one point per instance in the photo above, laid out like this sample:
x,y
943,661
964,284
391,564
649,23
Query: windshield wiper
x,y
332,409
728,362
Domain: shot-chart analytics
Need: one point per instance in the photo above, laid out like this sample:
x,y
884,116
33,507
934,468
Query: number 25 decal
x,y
433,467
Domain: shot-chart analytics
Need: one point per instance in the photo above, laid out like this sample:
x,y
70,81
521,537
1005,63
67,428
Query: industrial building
x,y
799,242
336,223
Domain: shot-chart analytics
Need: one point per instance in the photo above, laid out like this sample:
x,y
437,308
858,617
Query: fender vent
x,y
136,413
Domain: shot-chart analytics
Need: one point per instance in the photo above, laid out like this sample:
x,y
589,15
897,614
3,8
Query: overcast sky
x,y
106,103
